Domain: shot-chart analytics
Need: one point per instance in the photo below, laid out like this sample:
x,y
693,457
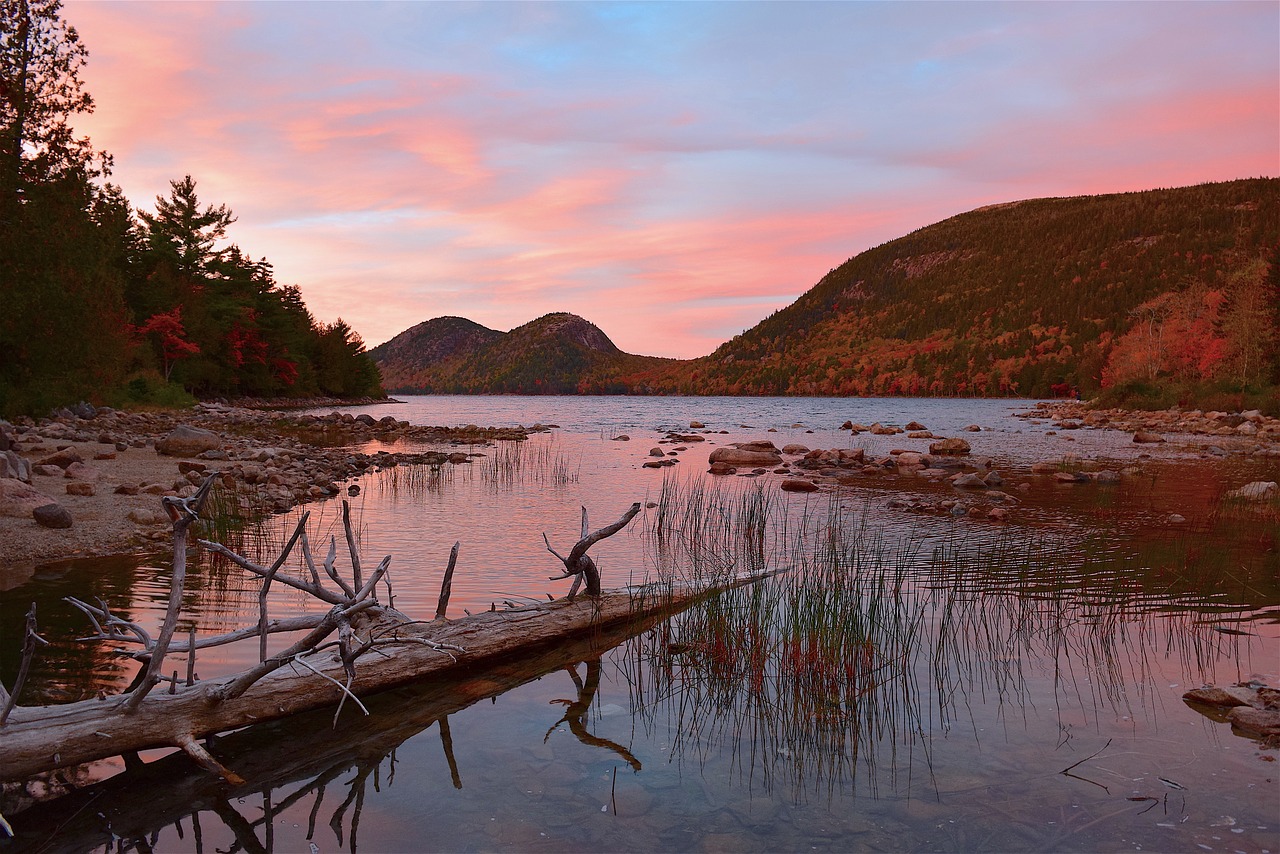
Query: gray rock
x,y
14,466
187,441
968,481
52,516
1259,490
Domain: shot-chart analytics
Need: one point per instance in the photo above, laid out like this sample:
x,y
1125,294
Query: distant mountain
x,y
558,353
427,345
1030,298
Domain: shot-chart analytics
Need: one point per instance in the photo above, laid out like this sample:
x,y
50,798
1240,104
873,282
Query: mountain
x,y
1169,289
558,353
1028,298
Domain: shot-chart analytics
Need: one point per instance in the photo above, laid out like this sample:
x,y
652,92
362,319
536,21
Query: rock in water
x,y
949,446
52,516
1259,490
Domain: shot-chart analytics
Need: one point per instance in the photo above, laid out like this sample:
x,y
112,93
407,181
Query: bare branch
x,y
446,586
351,544
297,583
608,531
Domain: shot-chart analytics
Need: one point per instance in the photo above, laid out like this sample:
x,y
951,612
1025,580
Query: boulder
x,y
61,459
721,468
82,487
17,499
795,449
1212,695
187,441
915,425
14,466
696,425
794,485
1255,722
1259,490
1144,436
657,452
623,438
954,447
968,481
80,471
746,457
52,515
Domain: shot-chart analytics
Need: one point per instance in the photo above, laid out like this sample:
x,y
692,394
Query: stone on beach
x,y
52,516
17,499
187,441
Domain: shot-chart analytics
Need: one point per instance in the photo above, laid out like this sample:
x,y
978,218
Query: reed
x,y
846,667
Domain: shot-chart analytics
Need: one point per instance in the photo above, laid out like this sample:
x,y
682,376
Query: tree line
x,y
102,302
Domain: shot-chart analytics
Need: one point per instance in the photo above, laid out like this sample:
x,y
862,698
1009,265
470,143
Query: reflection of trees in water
x,y
867,649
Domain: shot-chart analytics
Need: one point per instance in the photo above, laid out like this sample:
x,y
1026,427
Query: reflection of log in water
x,y
305,754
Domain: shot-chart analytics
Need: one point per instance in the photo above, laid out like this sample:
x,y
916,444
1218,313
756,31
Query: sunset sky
x,y
672,172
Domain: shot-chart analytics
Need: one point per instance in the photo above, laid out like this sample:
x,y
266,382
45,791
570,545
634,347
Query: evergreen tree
x,y
57,279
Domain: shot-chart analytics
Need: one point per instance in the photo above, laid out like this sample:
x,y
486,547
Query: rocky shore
x,y
980,490
87,482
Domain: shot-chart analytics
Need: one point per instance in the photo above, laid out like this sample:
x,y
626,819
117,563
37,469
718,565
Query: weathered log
x,y
291,760
42,738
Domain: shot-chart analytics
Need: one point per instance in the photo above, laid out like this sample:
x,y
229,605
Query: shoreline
x,y
108,472
272,459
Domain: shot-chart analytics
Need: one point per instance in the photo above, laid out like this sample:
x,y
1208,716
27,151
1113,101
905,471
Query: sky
x,y
673,172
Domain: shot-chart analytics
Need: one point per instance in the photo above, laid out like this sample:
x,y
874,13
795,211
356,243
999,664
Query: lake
x,y
915,681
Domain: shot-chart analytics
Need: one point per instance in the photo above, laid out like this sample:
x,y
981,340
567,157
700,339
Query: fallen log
x,y
390,649
295,759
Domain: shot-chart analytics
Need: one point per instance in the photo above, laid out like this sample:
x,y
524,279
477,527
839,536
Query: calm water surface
x,y
916,682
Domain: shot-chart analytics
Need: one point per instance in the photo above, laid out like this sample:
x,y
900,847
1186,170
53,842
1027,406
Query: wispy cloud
x,y
673,172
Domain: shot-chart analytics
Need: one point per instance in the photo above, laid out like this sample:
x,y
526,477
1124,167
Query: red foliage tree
x,y
171,336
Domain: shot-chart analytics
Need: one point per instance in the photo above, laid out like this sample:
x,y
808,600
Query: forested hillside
x,y
1171,288
558,353
102,302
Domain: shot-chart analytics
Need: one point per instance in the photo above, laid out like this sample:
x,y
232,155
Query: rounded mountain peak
x,y
570,327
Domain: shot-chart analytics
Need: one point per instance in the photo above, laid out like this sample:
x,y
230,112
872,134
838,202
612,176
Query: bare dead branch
x,y
351,545
205,760
446,586
30,638
182,512
289,580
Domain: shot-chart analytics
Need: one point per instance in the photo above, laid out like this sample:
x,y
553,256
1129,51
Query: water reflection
x,y
910,683
293,765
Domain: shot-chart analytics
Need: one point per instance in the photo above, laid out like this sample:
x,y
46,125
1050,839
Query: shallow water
x,y
928,701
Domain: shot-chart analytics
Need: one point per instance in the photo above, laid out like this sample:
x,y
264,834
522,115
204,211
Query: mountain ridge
x,y
1024,298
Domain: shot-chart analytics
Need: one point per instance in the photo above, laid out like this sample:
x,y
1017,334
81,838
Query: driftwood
x,y
376,648
303,759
